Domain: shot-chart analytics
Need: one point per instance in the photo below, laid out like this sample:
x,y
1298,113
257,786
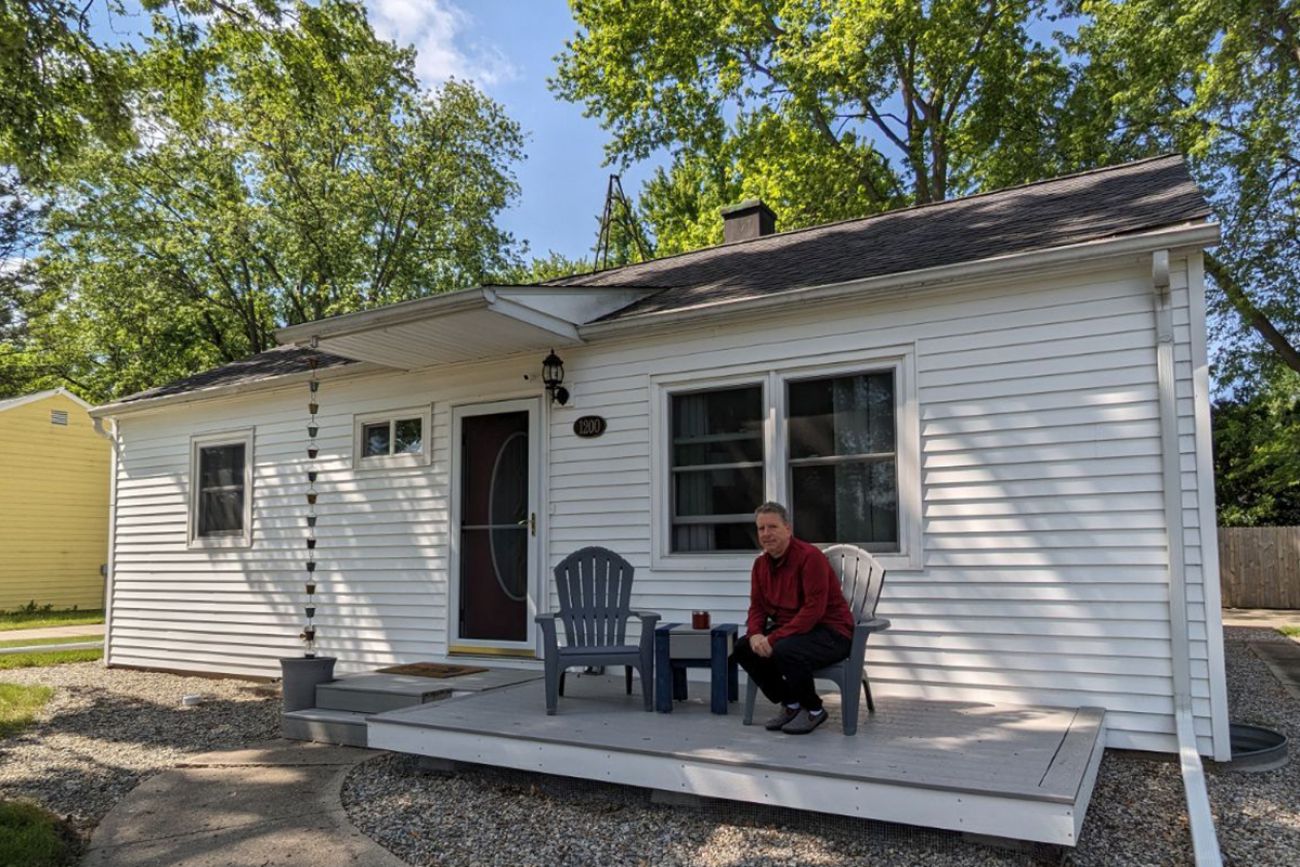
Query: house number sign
x,y
589,426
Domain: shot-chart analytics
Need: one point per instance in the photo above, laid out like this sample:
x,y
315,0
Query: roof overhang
x,y
472,324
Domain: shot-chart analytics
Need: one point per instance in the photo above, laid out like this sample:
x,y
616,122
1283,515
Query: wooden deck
x,y
1023,773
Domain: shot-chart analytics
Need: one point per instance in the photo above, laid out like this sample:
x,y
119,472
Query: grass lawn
x,y
33,837
1293,630
43,619
18,704
34,642
48,657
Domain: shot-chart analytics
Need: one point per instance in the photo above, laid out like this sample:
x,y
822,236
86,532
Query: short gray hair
x,y
773,508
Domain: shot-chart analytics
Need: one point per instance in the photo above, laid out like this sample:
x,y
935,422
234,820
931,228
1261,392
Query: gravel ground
x,y
105,730
485,816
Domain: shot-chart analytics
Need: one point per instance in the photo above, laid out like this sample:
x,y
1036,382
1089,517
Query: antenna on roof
x,y
618,210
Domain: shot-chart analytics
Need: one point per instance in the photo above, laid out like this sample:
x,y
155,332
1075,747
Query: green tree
x,y
1219,80
1257,454
826,110
285,174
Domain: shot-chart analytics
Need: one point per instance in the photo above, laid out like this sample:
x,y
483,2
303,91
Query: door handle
x,y
531,521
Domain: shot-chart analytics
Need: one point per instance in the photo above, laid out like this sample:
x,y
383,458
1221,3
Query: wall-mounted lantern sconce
x,y
553,376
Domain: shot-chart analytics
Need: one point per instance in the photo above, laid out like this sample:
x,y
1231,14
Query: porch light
x,y
553,377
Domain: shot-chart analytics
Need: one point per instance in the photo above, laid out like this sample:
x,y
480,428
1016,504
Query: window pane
x,y
221,511
854,502
718,427
221,466
374,440
699,493
406,438
846,415
715,537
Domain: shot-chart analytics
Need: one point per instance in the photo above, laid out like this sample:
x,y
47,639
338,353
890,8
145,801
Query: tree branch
x,y
1253,316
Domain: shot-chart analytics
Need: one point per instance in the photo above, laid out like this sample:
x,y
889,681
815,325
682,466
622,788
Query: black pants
x,y
786,676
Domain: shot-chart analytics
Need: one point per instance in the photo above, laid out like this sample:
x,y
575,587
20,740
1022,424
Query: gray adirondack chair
x,y
861,579
595,590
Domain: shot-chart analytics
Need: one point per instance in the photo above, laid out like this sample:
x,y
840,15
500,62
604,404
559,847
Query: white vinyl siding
x,y
1040,568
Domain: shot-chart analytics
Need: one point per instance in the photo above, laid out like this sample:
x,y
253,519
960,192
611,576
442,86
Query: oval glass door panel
x,y
494,527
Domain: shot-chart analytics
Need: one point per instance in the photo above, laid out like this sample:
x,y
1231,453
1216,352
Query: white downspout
x,y
112,535
1205,843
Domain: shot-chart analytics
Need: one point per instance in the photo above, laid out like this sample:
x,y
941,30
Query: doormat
x,y
433,669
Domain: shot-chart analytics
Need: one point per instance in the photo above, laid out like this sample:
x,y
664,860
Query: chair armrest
x,y
541,618
648,618
866,627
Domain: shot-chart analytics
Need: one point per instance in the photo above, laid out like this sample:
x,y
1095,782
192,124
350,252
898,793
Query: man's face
x,y
773,534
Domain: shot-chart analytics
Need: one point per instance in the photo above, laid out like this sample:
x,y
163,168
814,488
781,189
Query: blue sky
x,y
507,48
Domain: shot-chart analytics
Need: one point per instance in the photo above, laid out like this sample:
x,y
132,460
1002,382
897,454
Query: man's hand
x,y
760,645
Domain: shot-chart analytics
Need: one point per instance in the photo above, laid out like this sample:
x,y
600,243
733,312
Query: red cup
x,y
699,620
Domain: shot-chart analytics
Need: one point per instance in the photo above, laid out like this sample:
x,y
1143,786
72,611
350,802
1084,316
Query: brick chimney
x,y
749,219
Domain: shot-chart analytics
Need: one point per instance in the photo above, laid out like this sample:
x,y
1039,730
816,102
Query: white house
x,y
1004,396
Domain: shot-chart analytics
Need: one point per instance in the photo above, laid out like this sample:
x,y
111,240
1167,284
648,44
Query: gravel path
x,y
1137,816
107,729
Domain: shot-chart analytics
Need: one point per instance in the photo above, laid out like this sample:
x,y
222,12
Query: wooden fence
x,y
1259,567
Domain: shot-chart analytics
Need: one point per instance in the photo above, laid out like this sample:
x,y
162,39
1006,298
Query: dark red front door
x,y
494,527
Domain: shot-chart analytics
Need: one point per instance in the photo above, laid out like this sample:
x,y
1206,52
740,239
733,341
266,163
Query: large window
x,y
836,443
717,468
843,476
221,482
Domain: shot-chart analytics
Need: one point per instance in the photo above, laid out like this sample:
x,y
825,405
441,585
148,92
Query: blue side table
x,y
679,647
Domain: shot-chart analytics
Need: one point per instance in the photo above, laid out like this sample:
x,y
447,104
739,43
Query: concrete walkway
x,y
92,630
1269,617
274,806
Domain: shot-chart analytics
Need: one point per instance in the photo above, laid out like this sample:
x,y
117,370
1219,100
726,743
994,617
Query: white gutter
x,y
445,304
1205,843
1197,235
112,534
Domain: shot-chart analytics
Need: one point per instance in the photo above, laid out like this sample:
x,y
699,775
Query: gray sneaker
x,y
779,721
804,722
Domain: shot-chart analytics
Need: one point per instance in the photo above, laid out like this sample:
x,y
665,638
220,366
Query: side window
x,y
396,438
221,490
717,468
842,460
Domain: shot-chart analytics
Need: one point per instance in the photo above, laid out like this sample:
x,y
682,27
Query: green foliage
x,y
18,706
825,110
42,617
1219,80
1257,454
34,837
43,658
541,269
285,173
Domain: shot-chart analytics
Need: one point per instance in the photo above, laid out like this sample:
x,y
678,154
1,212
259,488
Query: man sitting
x,y
798,622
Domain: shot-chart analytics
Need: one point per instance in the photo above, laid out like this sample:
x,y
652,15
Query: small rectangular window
x,y
394,438
842,462
221,490
717,468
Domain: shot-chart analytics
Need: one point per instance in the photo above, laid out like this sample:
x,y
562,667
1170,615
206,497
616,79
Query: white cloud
x,y
437,29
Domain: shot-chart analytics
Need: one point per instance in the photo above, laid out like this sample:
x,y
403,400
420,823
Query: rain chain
x,y
308,635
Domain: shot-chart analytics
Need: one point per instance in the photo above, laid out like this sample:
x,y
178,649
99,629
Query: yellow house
x,y
54,475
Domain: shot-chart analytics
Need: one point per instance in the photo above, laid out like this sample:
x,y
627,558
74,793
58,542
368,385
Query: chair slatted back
x,y
595,590
861,578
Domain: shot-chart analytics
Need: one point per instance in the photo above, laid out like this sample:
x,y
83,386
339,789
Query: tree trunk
x,y
1252,314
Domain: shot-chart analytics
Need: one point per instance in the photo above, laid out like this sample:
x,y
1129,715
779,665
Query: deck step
x,y
376,693
325,726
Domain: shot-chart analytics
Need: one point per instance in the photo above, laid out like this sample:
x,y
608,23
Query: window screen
x,y
221,490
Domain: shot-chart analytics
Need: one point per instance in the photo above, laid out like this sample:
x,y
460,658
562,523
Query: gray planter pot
x,y
300,677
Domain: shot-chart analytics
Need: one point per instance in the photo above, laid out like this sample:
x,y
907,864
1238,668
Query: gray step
x,y
376,693
326,726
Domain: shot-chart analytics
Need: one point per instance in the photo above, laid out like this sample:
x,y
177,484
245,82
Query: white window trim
x,y
900,358
423,413
225,438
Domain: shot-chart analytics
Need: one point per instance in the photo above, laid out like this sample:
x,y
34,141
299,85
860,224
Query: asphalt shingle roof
x,y
281,361
1089,206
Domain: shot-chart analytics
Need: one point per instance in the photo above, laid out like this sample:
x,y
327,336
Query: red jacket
x,y
797,592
